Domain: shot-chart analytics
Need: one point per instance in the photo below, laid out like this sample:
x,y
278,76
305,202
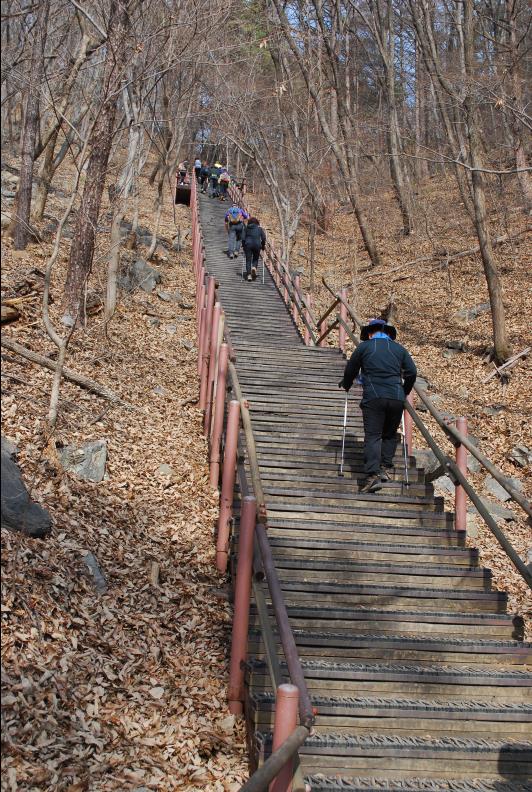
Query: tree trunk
x,y
20,226
45,177
386,39
421,169
82,249
521,162
113,263
500,339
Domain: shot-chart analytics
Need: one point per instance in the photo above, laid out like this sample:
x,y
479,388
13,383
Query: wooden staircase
x,y
420,677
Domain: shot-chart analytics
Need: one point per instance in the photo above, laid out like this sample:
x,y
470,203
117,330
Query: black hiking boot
x,y
385,473
372,484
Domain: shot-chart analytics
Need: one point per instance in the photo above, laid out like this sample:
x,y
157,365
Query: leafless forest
x,y
320,100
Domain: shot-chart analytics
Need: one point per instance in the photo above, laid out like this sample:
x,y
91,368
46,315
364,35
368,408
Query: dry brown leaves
x,y
126,690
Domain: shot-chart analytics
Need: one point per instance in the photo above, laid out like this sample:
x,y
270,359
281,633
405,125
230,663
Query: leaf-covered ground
x,y
124,690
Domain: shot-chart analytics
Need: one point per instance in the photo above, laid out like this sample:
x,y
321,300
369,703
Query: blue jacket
x,y
388,371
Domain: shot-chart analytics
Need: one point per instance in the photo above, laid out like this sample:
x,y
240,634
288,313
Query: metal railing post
x,y
239,639
228,485
460,497
200,300
200,303
322,328
342,335
286,708
306,333
409,424
206,330
213,346
297,286
204,371
201,337
214,471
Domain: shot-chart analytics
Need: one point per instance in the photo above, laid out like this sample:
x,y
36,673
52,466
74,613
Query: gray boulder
x,y
456,344
19,512
473,465
492,487
165,470
87,462
493,409
521,455
174,296
444,484
497,511
139,275
450,353
426,459
470,314
9,178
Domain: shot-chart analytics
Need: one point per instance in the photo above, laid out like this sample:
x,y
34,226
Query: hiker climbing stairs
x,y
419,675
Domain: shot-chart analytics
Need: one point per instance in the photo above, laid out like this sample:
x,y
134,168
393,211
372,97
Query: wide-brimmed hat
x,y
375,326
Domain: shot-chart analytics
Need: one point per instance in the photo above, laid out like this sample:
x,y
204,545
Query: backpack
x,y
225,177
235,215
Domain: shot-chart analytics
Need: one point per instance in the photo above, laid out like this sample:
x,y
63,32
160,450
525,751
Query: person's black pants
x,y
252,258
381,420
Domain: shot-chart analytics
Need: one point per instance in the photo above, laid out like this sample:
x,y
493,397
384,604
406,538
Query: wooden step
x,y
403,716
402,533
444,624
413,554
398,648
388,757
325,783
434,680
323,570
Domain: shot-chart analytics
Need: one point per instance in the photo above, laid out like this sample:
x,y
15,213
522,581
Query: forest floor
x,y
428,298
125,690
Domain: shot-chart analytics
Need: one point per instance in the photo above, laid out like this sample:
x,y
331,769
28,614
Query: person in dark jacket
x,y
214,175
253,241
204,177
388,375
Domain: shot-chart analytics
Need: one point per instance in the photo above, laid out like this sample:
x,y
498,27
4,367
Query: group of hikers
x,y
246,231
213,180
383,367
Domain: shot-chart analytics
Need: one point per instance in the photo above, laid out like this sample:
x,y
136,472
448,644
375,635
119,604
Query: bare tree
x,y
500,338
82,250
20,225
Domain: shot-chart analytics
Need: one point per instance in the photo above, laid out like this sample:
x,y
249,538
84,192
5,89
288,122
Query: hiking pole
x,y
341,468
405,455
